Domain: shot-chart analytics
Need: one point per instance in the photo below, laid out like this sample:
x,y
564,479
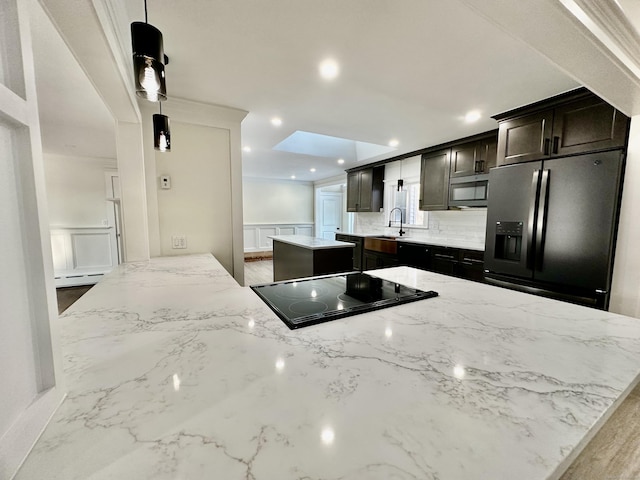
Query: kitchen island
x,y
175,371
298,256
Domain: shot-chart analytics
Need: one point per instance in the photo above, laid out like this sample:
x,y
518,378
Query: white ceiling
x,y
410,70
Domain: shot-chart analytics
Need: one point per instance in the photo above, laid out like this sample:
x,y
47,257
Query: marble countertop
x,y
448,242
176,372
311,243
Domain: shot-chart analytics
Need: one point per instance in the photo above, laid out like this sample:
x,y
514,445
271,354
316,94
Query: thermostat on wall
x,y
165,181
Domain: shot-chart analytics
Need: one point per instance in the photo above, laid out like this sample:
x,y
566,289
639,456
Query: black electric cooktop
x,y
300,303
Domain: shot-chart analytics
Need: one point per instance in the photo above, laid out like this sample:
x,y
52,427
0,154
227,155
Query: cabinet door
x,y
525,139
587,125
417,256
366,190
487,155
470,266
434,180
353,191
463,159
370,261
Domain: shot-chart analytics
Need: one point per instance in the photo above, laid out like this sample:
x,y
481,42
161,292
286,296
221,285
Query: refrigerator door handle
x,y
542,217
531,224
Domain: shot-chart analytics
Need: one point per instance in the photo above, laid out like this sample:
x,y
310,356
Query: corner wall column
x,y
133,191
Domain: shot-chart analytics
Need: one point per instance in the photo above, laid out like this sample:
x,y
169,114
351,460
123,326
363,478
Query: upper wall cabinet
x,y
571,123
365,189
454,174
434,180
474,158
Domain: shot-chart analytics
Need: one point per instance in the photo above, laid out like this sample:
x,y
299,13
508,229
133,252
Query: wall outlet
x,y
178,241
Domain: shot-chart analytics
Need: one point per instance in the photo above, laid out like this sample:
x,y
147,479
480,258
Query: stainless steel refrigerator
x,y
551,226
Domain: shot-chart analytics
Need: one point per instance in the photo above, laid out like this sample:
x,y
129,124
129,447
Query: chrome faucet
x,y
402,232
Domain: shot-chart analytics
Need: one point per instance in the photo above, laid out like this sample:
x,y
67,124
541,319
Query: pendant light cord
x,y
145,11
160,107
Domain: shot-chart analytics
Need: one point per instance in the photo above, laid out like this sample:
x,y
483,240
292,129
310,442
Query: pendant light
x,y
148,60
161,133
400,180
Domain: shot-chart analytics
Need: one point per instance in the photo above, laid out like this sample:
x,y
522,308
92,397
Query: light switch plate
x,y
178,241
165,182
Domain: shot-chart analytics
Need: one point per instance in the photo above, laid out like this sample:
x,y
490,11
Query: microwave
x,y
469,191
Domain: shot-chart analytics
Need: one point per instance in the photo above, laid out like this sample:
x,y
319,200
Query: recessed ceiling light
x,y
472,116
247,148
276,121
312,170
393,142
293,177
341,161
329,69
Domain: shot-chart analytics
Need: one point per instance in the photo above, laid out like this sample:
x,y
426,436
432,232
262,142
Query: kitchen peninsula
x,y
175,371
298,256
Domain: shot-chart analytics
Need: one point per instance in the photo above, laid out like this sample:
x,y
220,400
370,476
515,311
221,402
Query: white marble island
x,y
175,372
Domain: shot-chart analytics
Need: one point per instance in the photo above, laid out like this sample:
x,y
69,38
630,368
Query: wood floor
x,y
613,454
258,272
68,295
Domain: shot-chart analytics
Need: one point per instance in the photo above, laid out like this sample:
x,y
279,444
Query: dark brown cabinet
x,y
587,125
434,180
470,265
474,158
414,255
365,190
373,260
457,262
573,123
455,174
357,250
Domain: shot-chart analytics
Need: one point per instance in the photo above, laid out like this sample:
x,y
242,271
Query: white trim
x,y
256,235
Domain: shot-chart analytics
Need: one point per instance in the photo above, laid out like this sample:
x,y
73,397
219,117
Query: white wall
x,y
277,201
76,190
30,360
198,204
625,289
205,166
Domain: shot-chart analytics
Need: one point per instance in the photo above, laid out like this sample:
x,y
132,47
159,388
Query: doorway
x,y
329,206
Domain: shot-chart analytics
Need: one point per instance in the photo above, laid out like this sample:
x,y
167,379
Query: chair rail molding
x,y
256,234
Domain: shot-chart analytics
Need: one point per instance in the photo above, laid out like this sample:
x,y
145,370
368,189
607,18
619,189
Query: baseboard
x,y
258,256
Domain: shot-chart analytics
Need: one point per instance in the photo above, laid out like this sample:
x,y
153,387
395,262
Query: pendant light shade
x,y
161,133
148,62
400,180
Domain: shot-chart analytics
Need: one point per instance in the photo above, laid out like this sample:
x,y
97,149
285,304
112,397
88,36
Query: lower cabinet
x,y
372,260
357,251
457,262
444,260
470,265
415,255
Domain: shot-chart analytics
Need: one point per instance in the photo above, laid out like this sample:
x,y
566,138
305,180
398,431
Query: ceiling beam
x,y
550,28
93,35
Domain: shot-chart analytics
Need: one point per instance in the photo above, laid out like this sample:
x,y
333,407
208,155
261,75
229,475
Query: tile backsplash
x,y
460,226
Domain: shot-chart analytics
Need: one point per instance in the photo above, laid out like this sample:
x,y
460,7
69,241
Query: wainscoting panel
x,y
256,236
82,255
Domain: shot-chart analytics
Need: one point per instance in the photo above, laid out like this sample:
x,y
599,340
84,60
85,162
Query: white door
x,y
328,214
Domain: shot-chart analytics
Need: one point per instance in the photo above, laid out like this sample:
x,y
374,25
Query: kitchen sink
x,y
382,244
